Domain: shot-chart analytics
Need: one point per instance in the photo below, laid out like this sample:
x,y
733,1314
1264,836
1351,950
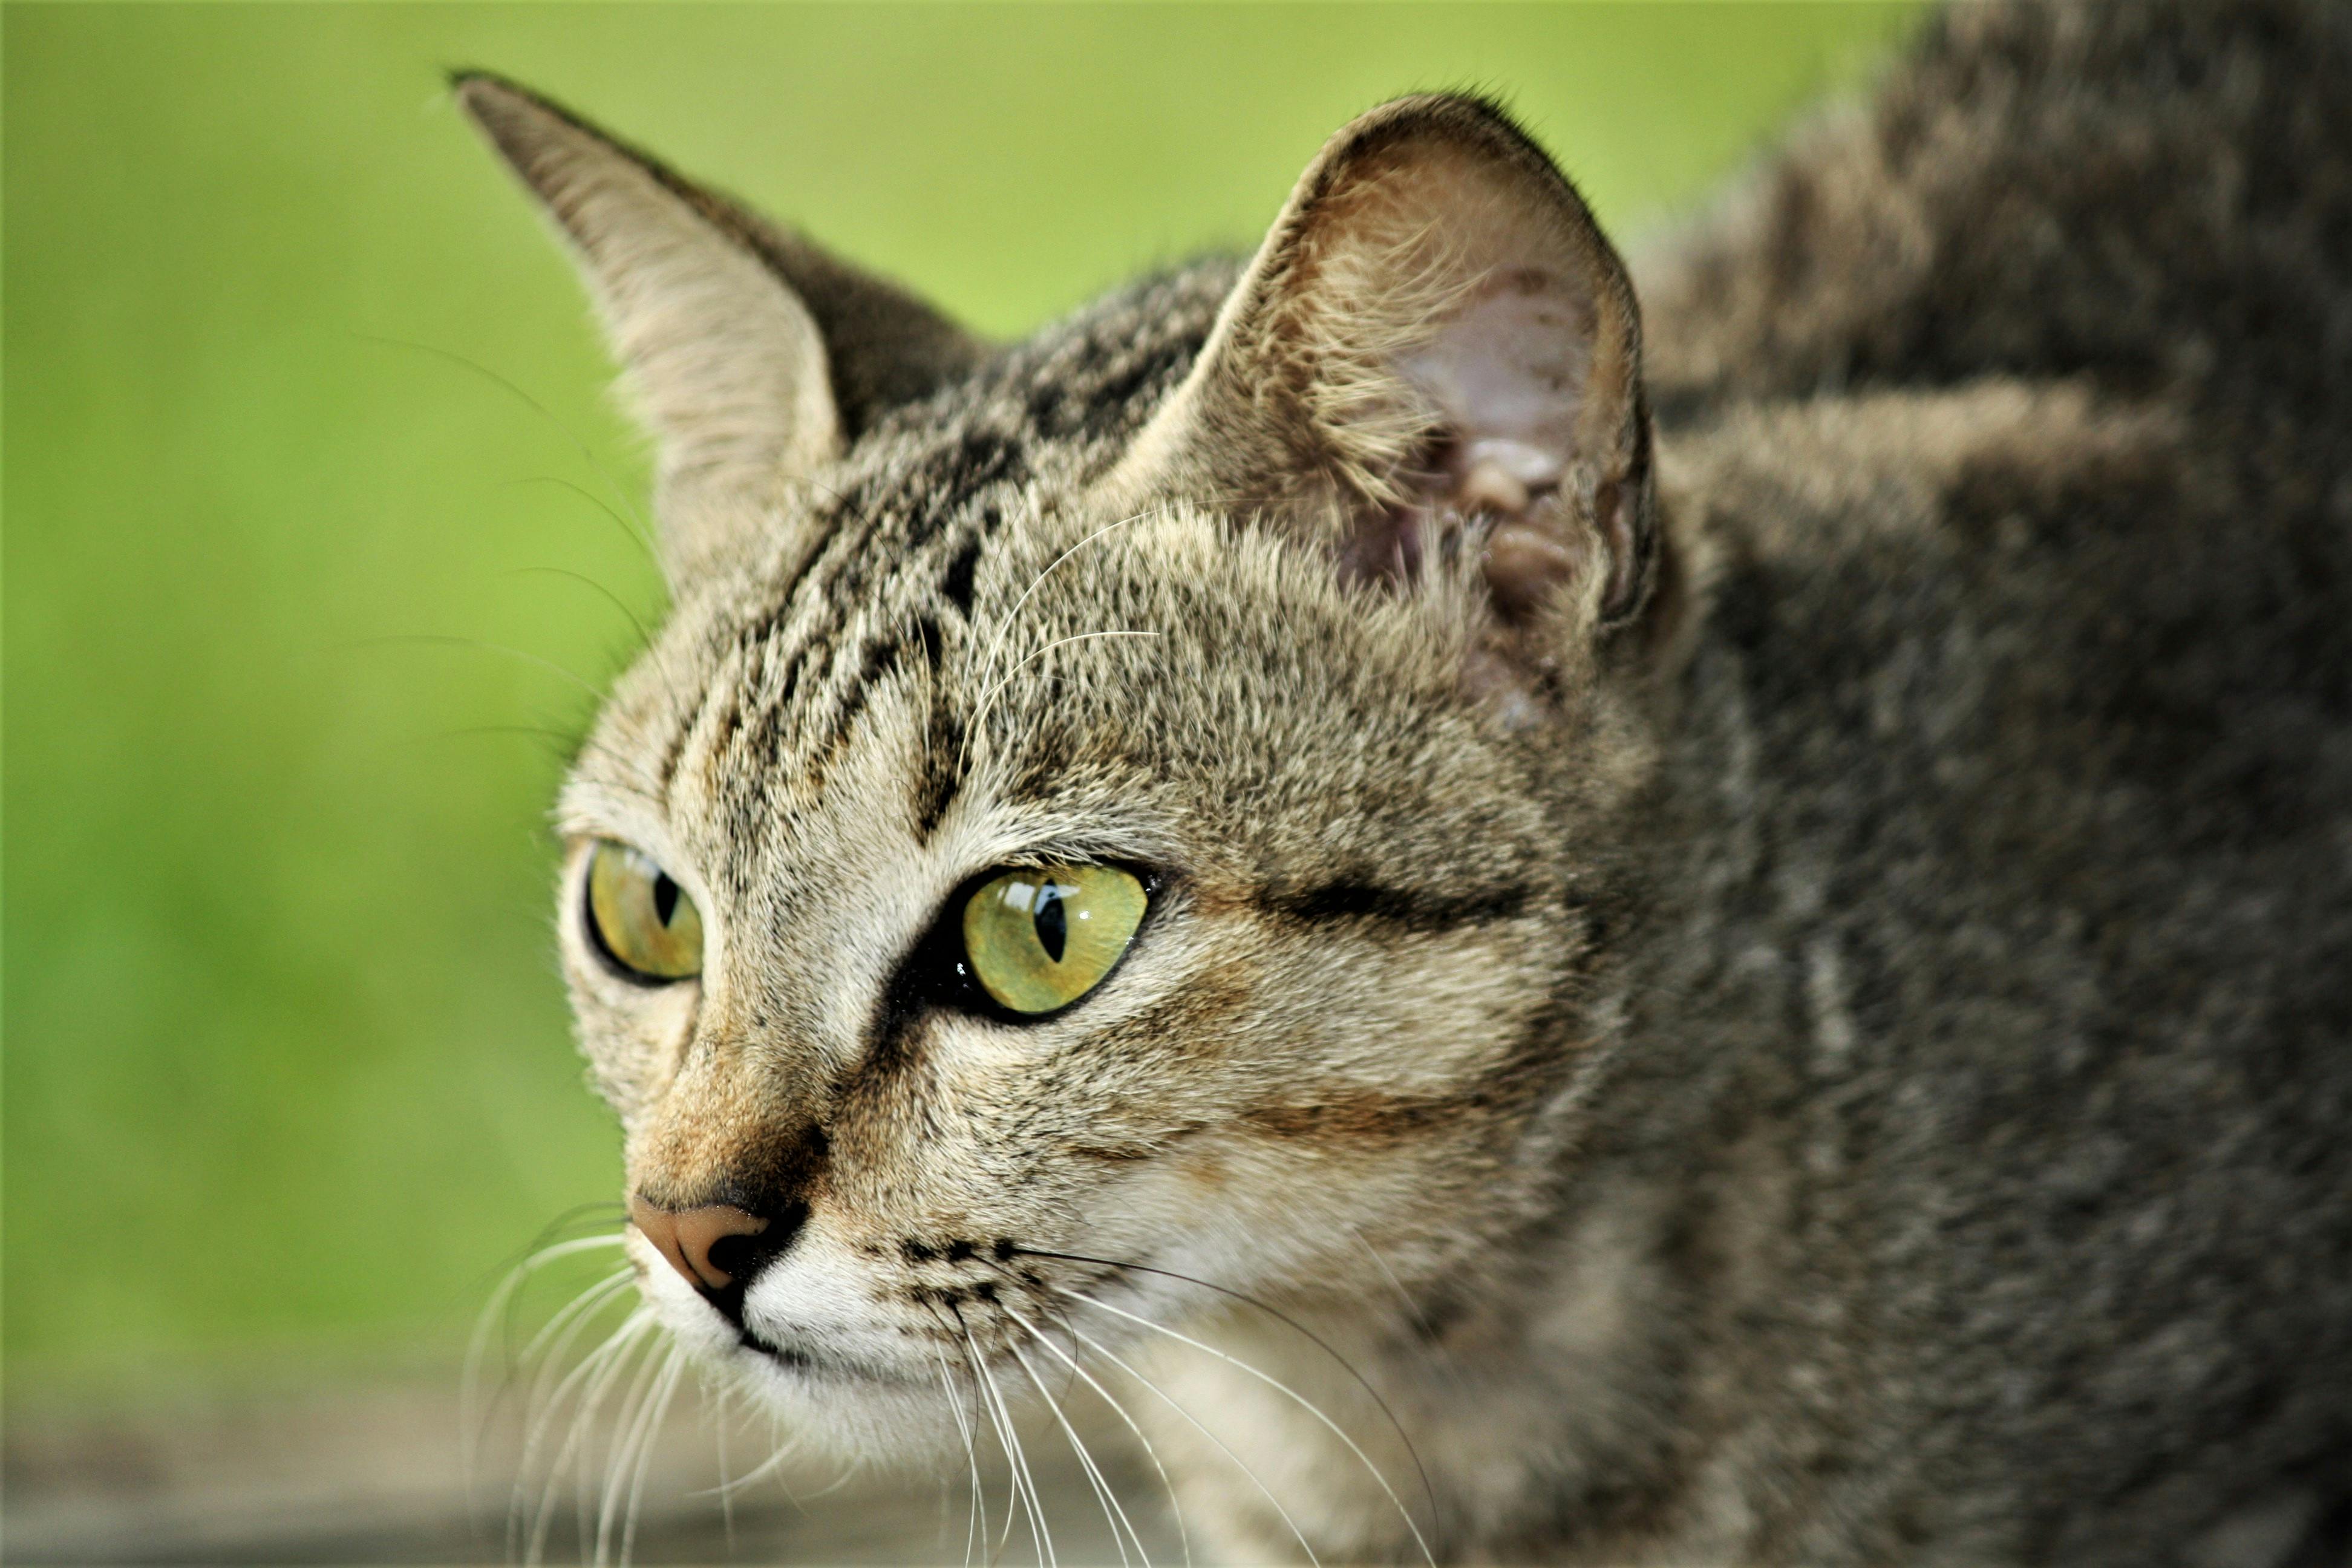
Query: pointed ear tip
x,y
1474,122
468,82
1444,111
478,92
487,97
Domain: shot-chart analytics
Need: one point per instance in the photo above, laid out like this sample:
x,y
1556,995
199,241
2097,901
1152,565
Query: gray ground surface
x,y
382,1477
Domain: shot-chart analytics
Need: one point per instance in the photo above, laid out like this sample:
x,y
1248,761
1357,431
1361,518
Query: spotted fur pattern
x,y
1851,1066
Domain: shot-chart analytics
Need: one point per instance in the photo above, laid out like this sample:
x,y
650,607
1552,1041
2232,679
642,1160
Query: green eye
x,y
1040,939
640,916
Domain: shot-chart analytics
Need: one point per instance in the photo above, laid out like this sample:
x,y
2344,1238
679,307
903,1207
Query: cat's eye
x,y
640,917
1039,938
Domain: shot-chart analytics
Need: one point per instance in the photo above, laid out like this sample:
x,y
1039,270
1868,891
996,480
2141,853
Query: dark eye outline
x,y
619,967
937,972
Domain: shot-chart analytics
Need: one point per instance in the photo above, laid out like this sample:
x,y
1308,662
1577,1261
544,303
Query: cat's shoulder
x,y
2153,193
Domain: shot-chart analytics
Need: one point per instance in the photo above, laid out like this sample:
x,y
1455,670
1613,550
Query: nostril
x,y
717,1247
701,1230
733,1256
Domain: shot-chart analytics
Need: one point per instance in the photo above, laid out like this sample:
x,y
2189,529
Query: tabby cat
x,y
1732,882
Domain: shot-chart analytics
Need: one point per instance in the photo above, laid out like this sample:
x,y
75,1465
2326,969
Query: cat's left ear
x,y
1435,340
754,356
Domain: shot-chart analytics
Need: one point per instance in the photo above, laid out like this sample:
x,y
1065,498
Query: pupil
x,y
1053,925
664,897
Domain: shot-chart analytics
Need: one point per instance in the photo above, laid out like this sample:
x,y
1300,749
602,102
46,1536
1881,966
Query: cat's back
x,y
2028,529
2011,788
2010,801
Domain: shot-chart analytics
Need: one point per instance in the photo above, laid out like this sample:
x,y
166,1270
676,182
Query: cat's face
x,y
1114,813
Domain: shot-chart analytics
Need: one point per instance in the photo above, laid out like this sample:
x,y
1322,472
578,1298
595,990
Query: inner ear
x,y
1434,346
1505,378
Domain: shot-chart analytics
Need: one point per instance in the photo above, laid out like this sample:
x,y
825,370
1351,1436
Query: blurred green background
x,y
288,1075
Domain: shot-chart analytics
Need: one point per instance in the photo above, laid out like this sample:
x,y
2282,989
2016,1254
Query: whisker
x,y
582,1306
477,1344
1413,1313
971,1451
664,1394
723,1397
1113,1514
1169,1400
580,1432
1004,626
980,1399
622,1455
988,698
563,746
542,1409
542,1404
535,406
1025,1485
850,1472
1428,1489
759,1472
591,498
555,1338
1282,1388
1183,1535
592,1378
610,597
429,639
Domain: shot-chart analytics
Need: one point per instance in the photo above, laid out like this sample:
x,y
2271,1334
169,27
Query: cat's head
x,y
1129,807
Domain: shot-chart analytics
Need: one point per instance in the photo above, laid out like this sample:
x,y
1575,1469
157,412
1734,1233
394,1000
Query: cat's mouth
x,y
828,1365
783,1355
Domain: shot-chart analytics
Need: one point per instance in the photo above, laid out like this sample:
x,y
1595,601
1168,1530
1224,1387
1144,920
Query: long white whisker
x,y
996,1424
586,1421
622,1452
1166,1398
768,1466
582,1305
848,1473
1183,1535
725,1488
542,1404
1113,1514
972,1459
477,1344
1278,1386
594,1377
1024,1481
543,1410
662,1397
588,1499
970,1450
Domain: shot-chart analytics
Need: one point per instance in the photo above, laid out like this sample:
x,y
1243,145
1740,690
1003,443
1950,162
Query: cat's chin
x,y
853,1409
851,1413
848,1412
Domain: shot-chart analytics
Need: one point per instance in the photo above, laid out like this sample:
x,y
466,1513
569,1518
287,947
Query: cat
x,y
1693,914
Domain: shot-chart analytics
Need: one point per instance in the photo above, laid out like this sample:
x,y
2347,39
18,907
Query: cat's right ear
x,y
753,356
1435,343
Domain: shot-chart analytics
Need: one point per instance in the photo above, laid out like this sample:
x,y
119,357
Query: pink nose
x,y
685,1237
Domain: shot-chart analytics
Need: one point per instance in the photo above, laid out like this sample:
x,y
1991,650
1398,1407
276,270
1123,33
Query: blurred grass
x,y
287,1070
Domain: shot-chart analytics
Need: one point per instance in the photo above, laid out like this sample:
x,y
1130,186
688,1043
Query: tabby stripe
x,y
1408,909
